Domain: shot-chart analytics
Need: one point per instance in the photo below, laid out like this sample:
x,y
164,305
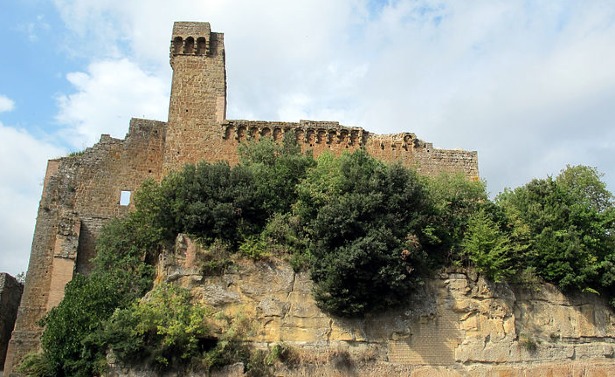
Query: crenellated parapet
x,y
327,136
319,132
195,39
305,132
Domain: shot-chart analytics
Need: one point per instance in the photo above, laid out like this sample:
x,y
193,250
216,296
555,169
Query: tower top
x,y
191,29
195,38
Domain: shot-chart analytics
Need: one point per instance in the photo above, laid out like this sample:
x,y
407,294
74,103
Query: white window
x,y
125,198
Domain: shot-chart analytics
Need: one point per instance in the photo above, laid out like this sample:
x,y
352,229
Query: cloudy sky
x,y
530,85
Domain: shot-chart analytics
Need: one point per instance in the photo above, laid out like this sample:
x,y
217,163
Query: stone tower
x,y
198,95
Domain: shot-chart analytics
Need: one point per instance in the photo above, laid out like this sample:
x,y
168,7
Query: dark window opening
x,y
177,45
200,46
189,47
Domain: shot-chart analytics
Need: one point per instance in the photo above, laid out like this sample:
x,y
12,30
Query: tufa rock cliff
x,y
458,324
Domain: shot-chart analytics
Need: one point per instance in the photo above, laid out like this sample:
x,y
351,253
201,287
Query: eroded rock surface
x,y
458,324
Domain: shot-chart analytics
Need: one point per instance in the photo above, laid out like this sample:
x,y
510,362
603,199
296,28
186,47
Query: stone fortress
x,y
461,326
83,191
458,325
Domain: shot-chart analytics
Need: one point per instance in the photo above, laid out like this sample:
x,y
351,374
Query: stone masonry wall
x,y
198,129
80,194
10,296
321,136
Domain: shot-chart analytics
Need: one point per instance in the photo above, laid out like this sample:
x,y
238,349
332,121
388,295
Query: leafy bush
x,y
277,169
566,225
37,364
70,343
254,248
220,202
455,199
210,201
488,248
164,327
215,259
359,215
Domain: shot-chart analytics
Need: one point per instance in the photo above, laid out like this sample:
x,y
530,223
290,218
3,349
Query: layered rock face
x,y
458,324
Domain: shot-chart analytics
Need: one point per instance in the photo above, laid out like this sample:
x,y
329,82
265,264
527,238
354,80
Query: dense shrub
x,y
164,328
277,169
210,201
488,248
364,222
454,200
566,227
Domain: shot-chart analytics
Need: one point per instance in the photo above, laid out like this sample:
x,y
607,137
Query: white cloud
x,y
107,96
519,82
22,168
34,29
6,104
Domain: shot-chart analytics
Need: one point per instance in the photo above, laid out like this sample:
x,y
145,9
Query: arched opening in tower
x,y
177,45
189,46
201,46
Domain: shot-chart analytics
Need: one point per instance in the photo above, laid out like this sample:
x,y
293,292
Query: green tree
x,y
455,199
566,225
70,342
364,220
277,169
211,201
488,248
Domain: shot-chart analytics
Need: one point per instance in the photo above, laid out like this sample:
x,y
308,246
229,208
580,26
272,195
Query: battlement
x,y
305,132
195,39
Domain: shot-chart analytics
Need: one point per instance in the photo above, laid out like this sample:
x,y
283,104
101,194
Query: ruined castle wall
x,y
431,162
80,194
26,335
318,136
10,296
332,137
198,129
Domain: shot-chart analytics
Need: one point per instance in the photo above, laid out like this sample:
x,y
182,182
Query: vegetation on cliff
x,y
368,233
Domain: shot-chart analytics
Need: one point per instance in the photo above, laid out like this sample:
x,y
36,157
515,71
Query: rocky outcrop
x,y
458,324
10,296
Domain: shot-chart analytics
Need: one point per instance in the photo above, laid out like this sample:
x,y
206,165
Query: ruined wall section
x,y
431,161
198,95
322,136
80,193
318,136
53,208
115,169
10,296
